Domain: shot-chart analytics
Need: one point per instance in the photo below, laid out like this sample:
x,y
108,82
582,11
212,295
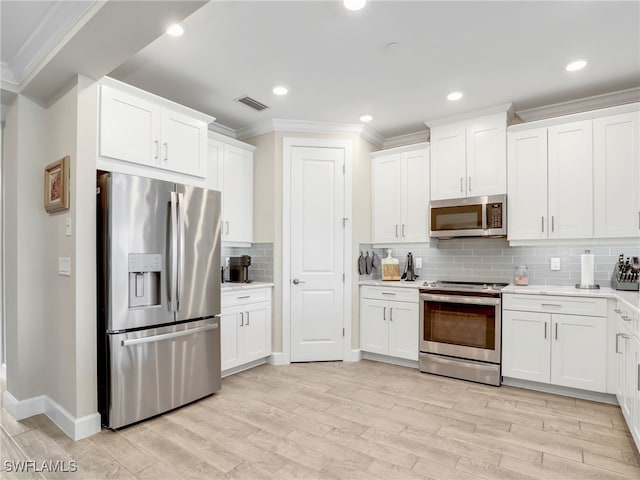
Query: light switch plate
x,y
64,266
418,262
555,263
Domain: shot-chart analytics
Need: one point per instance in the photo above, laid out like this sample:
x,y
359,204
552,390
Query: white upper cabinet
x,y
527,185
237,194
616,162
575,180
400,196
570,164
146,130
469,158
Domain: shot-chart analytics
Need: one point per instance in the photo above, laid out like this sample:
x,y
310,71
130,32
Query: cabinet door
x,y
526,346
230,354
374,330
386,172
215,152
633,385
448,162
622,375
571,180
579,352
414,191
486,157
255,330
616,176
129,128
527,185
237,195
404,330
184,144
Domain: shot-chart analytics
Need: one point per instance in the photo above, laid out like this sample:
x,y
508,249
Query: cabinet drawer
x,y
398,294
595,307
242,297
629,316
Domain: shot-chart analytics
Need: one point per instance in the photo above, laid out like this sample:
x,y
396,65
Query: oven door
x,y
461,326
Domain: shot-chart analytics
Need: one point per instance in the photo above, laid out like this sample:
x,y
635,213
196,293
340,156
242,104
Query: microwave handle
x,y
484,216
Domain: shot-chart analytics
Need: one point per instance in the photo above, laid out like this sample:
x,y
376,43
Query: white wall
x,y
26,242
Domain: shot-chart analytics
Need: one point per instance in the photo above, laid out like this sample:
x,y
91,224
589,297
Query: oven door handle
x,y
471,300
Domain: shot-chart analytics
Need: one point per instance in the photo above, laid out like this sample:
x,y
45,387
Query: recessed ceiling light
x,y
280,90
175,30
354,5
453,96
575,66
366,118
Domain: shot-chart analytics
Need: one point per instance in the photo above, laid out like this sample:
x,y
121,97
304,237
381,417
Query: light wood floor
x,y
360,420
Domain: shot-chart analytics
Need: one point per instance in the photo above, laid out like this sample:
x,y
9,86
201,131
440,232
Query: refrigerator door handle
x,y
181,245
173,251
167,336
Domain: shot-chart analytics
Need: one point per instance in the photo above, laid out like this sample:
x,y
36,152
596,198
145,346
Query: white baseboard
x,y
246,366
354,356
558,390
3,371
75,428
278,358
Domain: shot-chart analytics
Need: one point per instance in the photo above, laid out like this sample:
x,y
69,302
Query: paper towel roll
x,y
586,270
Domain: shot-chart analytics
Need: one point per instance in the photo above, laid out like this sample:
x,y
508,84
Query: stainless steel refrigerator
x,y
158,296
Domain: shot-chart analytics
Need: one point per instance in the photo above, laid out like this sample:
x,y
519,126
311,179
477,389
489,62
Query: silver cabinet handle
x,y
638,219
388,293
166,151
396,231
545,330
461,188
403,230
157,149
469,184
391,314
556,331
242,319
638,379
247,318
296,281
553,223
542,218
227,223
384,313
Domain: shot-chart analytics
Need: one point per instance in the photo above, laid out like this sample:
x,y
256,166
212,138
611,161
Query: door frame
x,y
287,144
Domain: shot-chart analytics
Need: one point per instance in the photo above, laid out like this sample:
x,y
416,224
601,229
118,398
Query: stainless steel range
x,y
460,330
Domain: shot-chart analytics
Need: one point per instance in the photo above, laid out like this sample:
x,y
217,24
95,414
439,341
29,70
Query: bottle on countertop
x,y
521,275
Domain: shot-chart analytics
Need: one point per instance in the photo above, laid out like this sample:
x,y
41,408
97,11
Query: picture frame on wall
x,y
56,186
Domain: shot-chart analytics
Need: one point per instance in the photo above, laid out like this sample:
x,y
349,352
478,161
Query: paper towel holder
x,y
587,286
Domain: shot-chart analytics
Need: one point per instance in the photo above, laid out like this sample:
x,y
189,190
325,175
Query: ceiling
x,y
338,65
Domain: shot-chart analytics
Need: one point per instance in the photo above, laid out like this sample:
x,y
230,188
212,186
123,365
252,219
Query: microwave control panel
x,y
494,215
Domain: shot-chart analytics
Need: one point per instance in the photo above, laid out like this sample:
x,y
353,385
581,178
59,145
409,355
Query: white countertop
x,y
230,286
388,283
630,298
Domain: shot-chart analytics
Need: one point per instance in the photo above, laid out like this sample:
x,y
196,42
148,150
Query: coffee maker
x,y
239,269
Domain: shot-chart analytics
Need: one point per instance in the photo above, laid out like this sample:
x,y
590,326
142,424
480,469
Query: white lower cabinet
x,y
389,326
549,339
245,332
627,349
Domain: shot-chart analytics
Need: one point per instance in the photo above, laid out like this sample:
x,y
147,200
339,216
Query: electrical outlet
x,y
418,262
555,263
227,260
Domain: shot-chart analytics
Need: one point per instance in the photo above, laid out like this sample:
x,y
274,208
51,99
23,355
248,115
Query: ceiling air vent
x,y
250,102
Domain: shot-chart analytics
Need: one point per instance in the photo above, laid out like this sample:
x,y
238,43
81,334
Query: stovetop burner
x,y
489,287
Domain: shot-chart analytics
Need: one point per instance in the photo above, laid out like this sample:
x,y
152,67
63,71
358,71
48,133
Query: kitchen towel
x,y
368,263
587,269
375,261
361,264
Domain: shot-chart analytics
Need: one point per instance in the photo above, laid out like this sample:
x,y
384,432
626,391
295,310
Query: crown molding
x,y
57,22
611,99
221,137
406,139
404,148
222,129
309,126
504,108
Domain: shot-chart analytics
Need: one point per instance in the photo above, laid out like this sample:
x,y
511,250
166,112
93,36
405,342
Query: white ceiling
x,y
337,66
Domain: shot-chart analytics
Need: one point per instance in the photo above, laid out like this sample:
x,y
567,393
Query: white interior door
x,y
317,253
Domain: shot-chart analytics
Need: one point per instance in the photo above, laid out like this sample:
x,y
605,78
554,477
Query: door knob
x,y
296,281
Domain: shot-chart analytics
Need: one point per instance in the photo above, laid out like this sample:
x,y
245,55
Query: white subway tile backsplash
x,y
493,260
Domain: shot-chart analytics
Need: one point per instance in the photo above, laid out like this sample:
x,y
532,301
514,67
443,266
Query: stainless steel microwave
x,y
484,216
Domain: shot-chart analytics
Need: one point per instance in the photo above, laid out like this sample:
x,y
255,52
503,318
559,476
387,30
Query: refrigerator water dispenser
x,y
144,279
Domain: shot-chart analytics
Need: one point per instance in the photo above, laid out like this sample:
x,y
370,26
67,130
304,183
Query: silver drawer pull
x,y
555,305
617,310
244,296
388,293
